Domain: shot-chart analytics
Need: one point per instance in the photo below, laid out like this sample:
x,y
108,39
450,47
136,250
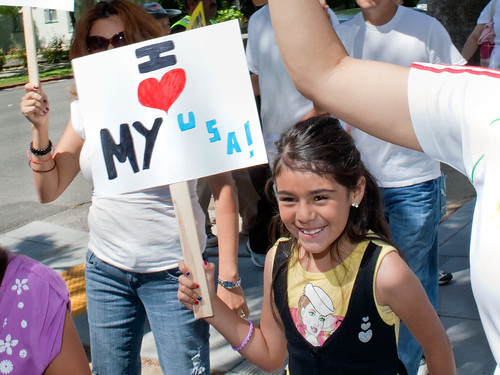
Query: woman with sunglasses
x,y
131,271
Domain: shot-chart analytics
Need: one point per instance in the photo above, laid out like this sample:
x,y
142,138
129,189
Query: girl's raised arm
x,y
369,95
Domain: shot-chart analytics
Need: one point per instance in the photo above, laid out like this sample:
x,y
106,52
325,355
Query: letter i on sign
x,y
249,136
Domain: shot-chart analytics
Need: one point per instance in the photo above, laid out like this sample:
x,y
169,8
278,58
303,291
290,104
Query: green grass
x,y
23,78
351,11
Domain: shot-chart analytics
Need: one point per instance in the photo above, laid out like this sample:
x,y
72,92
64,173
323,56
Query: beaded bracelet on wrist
x,y
35,161
41,152
247,339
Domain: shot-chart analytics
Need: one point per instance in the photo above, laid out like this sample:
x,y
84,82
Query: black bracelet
x,y
42,152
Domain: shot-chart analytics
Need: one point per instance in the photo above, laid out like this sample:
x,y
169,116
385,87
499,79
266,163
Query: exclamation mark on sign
x,y
249,136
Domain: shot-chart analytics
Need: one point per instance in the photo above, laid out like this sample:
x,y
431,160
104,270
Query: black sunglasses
x,y
99,43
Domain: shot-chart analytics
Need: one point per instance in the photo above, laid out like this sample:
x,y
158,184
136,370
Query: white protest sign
x,y
170,109
68,5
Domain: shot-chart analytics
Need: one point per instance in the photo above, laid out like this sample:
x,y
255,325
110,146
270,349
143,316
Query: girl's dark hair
x,y
4,260
320,145
138,24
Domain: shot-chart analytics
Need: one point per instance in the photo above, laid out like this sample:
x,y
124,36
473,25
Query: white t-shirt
x,y
136,231
484,18
455,115
281,104
408,37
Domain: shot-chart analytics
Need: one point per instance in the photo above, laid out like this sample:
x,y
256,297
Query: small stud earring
x,y
355,204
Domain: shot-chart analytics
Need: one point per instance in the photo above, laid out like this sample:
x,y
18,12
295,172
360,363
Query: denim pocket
x,y
173,274
92,260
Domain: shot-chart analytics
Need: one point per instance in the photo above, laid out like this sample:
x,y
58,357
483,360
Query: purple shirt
x,y
33,304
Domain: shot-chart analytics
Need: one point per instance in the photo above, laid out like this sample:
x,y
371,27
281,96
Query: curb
x,y
41,81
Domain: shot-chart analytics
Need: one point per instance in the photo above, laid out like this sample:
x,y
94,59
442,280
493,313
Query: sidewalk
x,y
60,247
15,71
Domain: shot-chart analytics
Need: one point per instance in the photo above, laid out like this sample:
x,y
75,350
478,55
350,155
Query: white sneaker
x,y
422,369
444,277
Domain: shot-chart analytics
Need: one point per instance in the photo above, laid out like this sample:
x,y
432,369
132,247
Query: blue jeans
x,y
413,213
118,303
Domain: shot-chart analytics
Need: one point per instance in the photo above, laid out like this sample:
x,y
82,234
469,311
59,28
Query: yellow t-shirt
x,y
318,301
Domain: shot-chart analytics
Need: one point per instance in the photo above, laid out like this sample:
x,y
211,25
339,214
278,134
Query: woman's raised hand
x,y
35,105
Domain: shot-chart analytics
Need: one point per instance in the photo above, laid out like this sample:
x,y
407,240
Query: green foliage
x,y
9,10
228,14
54,53
18,53
2,59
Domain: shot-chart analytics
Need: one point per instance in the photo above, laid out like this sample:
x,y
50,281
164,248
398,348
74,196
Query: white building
x,y
49,23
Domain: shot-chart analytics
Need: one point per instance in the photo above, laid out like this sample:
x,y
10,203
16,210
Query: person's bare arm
x,y
267,345
55,175
471,46
255,83
397,287
72,358
226,214
323,72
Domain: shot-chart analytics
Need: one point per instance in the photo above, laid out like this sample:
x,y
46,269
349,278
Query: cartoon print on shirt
x,y
314,316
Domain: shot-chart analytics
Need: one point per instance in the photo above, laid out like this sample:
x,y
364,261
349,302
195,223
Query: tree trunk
x,y
459,17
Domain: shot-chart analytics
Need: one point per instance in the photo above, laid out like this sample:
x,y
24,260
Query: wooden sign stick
x,y
29,41
191,245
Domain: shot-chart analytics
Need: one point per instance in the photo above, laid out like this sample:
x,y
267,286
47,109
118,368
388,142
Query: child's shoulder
x,y
37,275
386,247
284,244
280,242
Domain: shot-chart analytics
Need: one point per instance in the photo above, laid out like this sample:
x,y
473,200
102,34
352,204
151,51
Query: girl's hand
x,y
188,288
35,105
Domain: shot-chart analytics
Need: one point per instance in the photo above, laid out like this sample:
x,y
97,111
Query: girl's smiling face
x,y
314,209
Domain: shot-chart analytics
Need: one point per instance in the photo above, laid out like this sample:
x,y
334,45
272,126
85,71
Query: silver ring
x,y
242,314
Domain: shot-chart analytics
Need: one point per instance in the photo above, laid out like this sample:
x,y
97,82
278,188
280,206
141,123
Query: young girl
x,y
334,288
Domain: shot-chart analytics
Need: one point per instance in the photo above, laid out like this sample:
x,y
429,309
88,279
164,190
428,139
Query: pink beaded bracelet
x,y
34,161
245,342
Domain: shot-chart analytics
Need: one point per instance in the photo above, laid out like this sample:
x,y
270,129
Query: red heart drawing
x,y
161,95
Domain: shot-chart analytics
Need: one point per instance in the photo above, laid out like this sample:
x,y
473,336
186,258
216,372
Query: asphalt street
x,y
18,203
